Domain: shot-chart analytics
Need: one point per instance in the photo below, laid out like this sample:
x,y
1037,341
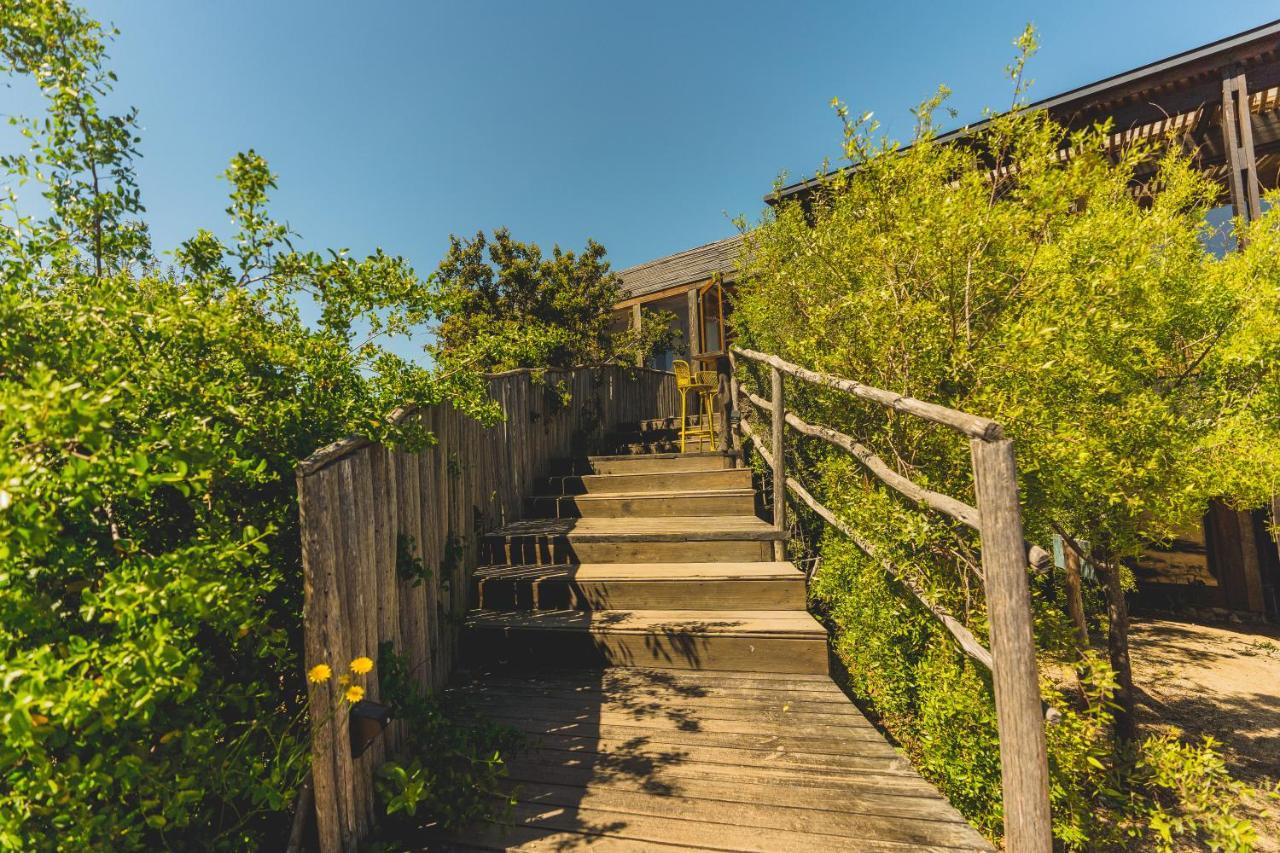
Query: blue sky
x,y
643,125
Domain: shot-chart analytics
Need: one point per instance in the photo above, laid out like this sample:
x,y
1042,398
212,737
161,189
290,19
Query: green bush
x,y
452,763
150,422
1137,372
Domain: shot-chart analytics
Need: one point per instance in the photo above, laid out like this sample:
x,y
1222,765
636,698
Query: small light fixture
x,y
366,721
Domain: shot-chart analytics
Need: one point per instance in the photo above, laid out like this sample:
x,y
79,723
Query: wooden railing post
x,y
779,472
731,422
1023,756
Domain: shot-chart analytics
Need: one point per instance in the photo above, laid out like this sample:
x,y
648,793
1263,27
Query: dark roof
x,y
1143,94
687,267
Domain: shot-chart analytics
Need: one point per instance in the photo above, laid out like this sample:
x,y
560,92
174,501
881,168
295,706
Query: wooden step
x,y
649,463
646,481
640,586
744,640
738,538
671,424
624,446
646,505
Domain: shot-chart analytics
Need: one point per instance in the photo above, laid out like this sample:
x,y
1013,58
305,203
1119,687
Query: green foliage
x,y
409,566
150,422
453,761
503,305
1137,372
1190,796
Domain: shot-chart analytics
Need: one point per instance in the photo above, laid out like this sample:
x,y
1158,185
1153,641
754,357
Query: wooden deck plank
x,y
675,528
867,759
687,717
855,827
701,834
700,683
565,735
659,701
851,798
645,571
739,623
665,776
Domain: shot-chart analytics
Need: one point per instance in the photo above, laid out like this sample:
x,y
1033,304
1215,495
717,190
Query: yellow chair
x,y
704,383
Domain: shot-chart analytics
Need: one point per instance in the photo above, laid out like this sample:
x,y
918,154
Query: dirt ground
x,y
1221,680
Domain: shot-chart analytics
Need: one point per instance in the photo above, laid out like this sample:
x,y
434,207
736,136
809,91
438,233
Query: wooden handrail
x,y
963,422
963,636
967,515
1005,554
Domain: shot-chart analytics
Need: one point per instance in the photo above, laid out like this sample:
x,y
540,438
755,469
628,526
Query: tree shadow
x,y
580,728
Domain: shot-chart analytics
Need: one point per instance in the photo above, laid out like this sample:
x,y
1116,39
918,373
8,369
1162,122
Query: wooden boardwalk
x,y
672,686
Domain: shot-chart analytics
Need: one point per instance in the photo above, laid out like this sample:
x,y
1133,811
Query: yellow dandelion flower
x,y
344,679
319,673
355,693
361,665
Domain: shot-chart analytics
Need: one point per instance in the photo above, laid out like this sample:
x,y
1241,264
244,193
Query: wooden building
x,y
1221,101
691,285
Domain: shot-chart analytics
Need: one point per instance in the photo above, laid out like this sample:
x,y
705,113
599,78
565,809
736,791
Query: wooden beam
x,y
657,295
1024,768
694,328
1250,563
1237,138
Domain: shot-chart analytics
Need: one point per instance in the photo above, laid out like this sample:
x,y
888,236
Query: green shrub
x,y
452,763
150,422
1137,373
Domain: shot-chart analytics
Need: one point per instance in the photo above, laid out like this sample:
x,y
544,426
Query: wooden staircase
x,y
674,689
644,559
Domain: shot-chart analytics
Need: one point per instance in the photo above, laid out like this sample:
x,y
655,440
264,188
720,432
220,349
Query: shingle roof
x,y
682,268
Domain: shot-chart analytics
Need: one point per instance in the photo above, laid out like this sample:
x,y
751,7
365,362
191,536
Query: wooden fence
x,y
997,517
363,505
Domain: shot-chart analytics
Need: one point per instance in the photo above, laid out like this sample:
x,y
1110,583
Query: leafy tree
x,y
502,305
1136,371
150,581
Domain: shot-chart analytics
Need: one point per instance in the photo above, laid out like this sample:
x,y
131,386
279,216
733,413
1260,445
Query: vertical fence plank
x,y
340,652
1023,756
319,622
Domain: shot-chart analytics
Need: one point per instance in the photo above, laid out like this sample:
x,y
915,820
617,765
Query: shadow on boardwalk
x,y
631,759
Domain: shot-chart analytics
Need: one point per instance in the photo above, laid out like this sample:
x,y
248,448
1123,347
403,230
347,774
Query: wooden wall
x,y
356,498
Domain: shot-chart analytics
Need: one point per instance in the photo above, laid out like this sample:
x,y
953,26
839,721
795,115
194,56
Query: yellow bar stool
x,y
704,383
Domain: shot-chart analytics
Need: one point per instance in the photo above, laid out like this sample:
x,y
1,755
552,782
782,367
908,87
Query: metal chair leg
x,y
684,421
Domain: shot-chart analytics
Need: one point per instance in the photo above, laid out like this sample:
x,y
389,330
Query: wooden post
x,y
1250,562
735,438
1024,768
1118,651
1075,594
1237,138
779,472
694,331
635,324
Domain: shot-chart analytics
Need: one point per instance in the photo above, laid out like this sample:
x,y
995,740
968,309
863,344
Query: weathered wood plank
x,y
1023,755
320,622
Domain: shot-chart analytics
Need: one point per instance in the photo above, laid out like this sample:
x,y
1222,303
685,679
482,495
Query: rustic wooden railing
x,y
368,511
1005,558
